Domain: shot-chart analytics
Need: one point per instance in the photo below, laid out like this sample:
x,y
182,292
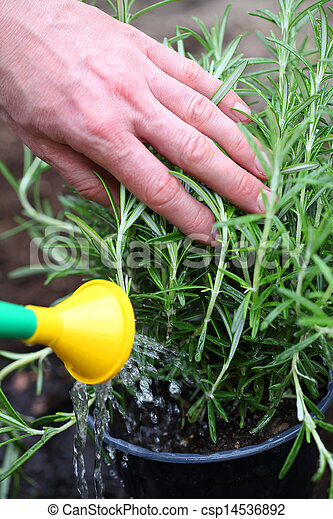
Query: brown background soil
x,y
52,466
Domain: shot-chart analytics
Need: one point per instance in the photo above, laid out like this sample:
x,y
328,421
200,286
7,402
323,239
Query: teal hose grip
x,y
16,322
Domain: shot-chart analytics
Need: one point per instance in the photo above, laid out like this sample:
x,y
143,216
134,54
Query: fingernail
x,y
243,108
216,238
200,238
259,167
264,197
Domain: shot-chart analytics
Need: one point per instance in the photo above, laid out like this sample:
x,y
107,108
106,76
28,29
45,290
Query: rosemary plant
x,y
249,322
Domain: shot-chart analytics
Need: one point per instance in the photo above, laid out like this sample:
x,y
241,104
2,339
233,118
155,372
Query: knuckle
x,y
199,110
120,149
128,55
85,125
196,149
100,136
162,190
199,218
91,125
240,144
134,36
90,61
124,88
244,186
89,189
43,151
191,71
94,128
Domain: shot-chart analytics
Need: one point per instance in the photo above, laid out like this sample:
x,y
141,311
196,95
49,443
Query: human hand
x,y
85,91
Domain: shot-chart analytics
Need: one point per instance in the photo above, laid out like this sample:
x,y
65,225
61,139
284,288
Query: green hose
x,y
16,322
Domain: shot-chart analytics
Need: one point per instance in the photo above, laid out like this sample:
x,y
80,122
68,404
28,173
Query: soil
x,y
166,428
49,473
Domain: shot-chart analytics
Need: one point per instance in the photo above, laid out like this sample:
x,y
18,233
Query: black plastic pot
x,y
247,472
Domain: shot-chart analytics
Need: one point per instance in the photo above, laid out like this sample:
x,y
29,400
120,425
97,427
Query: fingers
x,y
77,170
191,74
196,110
150,181
192,151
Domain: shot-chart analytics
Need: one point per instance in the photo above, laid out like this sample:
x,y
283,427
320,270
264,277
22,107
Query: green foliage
x,y
251,319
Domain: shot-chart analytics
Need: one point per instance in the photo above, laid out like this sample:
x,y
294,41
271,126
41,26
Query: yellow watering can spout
x,y
92,331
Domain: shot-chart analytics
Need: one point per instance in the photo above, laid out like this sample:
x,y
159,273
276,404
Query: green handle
x,y
16,322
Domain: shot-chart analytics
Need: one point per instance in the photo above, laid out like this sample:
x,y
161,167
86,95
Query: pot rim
x,y
242,452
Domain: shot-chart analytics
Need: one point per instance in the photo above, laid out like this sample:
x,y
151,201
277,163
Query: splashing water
x,y
139,369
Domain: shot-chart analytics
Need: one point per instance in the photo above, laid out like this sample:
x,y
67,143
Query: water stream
x,y
79,398
101,419
136,376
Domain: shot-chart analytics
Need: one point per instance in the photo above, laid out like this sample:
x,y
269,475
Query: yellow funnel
x,y
92,331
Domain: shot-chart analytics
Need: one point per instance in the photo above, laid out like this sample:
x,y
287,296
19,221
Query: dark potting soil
x,y
167,429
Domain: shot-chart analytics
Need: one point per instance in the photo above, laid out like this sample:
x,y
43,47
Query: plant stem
x,y
120,273
121,10
27,359
267,228
34,170
305,416
217,283
173,252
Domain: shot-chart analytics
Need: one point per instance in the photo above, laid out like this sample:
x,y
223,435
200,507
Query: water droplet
x,y
124,461
153,417
174,388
